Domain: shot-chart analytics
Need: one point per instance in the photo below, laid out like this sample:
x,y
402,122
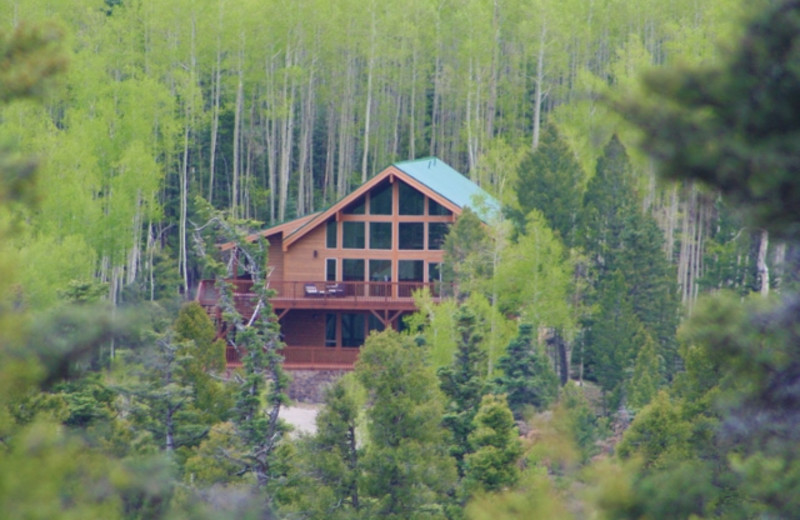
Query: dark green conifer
x,y
550,179
527,378
464,384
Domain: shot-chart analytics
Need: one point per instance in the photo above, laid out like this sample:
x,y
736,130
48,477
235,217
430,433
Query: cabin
x,y
340,273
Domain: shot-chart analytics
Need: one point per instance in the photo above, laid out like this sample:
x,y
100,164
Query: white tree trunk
x,y
761,263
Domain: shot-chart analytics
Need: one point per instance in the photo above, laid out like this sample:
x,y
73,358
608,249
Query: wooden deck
x,y
390,296
379,297
307,358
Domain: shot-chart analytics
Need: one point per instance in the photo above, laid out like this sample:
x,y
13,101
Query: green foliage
x,y
732,125
527,377
550,180
496,448
643,385
216,461
533,278
193,324
612,340
632,286
331,459
32,55
436,323
659,434
466,252
464,384
407,470
536,497
579,418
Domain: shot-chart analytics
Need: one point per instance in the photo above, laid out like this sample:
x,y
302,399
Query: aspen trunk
x,y
368,106
286,137
237,130
184,180
216,89
761,263
537,104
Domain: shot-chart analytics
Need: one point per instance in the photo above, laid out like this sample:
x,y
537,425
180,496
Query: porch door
x,y
410,271
330,269
353,271
380,278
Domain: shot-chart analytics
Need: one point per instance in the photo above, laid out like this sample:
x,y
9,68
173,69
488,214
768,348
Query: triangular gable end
x,y
431,176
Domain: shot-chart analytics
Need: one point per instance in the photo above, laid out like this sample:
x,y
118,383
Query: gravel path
x,y
302,416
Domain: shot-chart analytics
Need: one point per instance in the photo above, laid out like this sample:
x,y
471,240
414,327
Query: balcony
x,y
307,358
322,294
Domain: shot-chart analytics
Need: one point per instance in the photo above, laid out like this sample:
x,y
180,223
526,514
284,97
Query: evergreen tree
x,y
609,205
725,445
527,377
408,472
160,395
262,384
332,459
496,448
550,180
464,384
580,418
205,358
611,341
643,385
628,272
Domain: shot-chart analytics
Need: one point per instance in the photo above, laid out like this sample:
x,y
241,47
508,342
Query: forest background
x,y
166,117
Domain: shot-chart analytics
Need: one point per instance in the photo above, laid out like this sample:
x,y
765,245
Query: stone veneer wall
x,y
308,386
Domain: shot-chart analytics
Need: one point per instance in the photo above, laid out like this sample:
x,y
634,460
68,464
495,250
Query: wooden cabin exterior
x,y
343,272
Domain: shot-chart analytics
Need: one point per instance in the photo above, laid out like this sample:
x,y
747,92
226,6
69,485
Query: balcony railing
x,y
305,356
208,292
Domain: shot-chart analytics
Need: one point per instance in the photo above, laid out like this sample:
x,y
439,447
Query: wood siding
x,y
304,327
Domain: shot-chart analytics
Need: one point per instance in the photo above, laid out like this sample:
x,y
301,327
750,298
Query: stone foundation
x,y
308,386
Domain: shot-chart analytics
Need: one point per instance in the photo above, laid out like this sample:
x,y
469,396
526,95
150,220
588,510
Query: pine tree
x,y
408,472
496,448
464,384
611,340
333,458
550,180
646,375
628,268
527,378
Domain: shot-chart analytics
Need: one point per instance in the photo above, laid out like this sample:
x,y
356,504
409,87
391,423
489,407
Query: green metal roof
x,y
440,177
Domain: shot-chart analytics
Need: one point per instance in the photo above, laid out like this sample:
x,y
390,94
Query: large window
x,y
353,235
330,237
411,235
380,202
353,269
330,269
434,272
373,323
353,327
355,208
412,202
380,270
437,231
380,276
409,271
380,235
330,330
434,208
